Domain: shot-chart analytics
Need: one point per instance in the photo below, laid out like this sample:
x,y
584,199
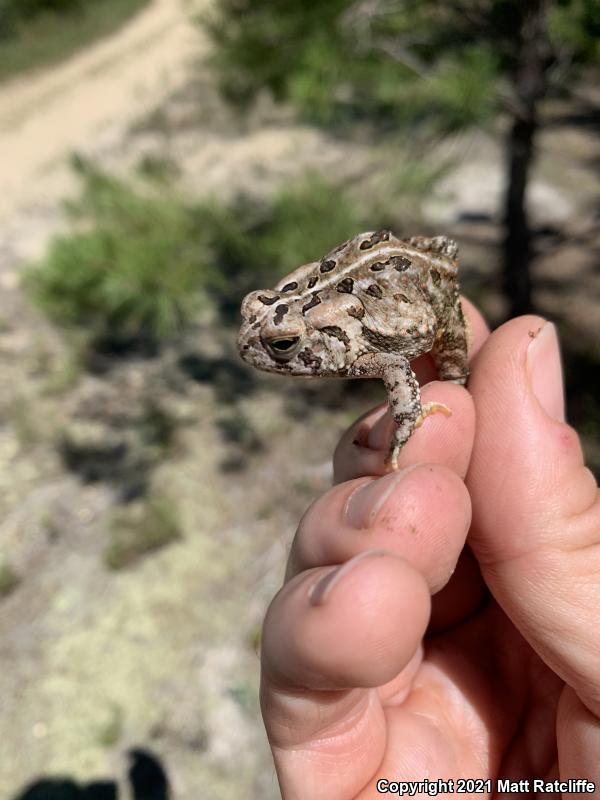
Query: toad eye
x,y
283,348
284,344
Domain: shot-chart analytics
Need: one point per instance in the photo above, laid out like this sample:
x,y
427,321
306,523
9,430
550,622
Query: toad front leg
x,y
403,393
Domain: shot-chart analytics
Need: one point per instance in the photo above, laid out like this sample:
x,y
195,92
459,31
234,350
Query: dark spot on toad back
x,y
378,266
435,277
314,301
357,313
375,291
375,238
268,301
400,263
289,287
345,286
280,313
327,265
312,281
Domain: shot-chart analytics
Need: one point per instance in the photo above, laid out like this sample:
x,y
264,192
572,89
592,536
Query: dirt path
x,y
93,96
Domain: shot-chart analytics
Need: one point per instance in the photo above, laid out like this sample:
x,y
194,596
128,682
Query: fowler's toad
x,y
364,311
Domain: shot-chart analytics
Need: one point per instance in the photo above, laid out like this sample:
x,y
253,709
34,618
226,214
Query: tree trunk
x,y
529,87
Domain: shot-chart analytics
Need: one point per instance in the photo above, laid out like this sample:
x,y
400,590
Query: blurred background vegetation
x,y
152,482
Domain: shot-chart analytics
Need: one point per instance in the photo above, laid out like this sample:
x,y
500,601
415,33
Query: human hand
x,y
395,652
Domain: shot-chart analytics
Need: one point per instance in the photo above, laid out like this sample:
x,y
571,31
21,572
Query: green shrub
x,y
135,269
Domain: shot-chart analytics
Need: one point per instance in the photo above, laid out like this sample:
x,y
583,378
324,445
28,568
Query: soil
x,y
158,661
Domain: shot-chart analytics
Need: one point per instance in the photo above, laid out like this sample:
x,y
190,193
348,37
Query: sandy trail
x,y
45,116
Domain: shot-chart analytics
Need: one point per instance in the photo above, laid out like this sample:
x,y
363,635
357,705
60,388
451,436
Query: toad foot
x,y
391,460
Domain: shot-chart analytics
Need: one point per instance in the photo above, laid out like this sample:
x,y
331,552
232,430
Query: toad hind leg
x,y
450,349
403,393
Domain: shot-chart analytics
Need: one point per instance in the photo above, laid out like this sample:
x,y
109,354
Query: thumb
x,y
536,515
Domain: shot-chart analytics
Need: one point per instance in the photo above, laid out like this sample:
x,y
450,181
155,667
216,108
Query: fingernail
x,y
319,593
366,500
545,371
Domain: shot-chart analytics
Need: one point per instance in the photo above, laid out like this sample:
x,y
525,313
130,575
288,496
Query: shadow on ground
x,y
229,377
147,778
